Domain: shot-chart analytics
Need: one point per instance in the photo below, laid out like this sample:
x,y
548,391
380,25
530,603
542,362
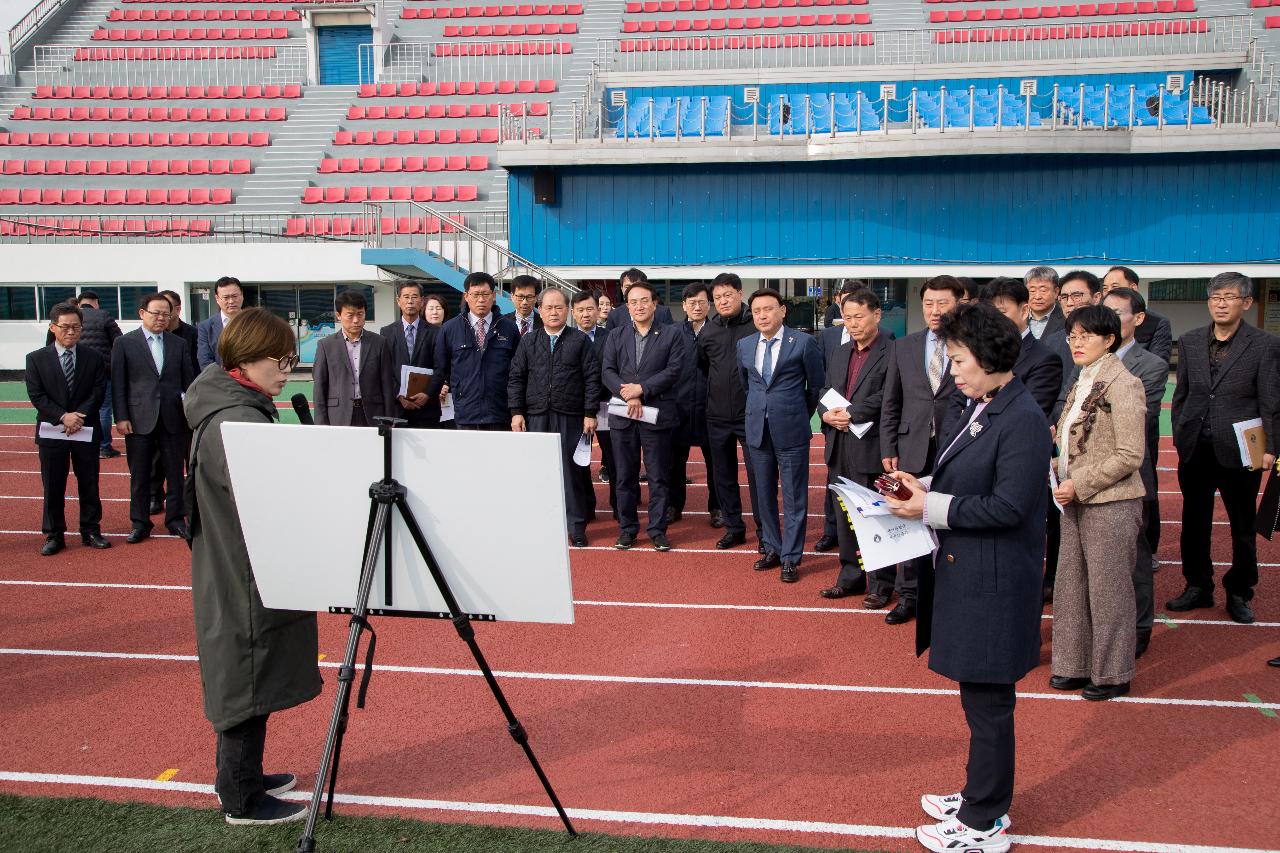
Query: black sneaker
x,y
603,476
277,783
269,811
625,541
660,542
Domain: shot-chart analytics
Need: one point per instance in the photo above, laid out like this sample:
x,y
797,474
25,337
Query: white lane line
x,y
100,473
593,678
650,605
800,827
69,498
154,535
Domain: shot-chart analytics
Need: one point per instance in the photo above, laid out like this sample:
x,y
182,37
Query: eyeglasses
x,y
286,363
1224,300
1082,337
1075,297
163,315
66,328
525,297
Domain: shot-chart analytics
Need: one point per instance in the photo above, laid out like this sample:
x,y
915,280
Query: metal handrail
x,y
418,61
31,21
461,246
57,64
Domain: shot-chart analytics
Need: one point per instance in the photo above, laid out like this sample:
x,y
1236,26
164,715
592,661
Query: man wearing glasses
x,y
1228,372
230,298
66,383
150,371
524,293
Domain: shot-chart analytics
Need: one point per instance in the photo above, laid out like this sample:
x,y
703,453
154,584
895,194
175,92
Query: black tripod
x,y
385,495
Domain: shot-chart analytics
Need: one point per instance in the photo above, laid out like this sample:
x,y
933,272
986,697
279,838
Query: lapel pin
x,y
974,429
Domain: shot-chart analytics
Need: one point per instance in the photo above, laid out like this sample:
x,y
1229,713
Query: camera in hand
x,y
891,488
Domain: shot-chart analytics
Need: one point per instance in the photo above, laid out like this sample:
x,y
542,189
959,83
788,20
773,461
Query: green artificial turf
x,y
57,825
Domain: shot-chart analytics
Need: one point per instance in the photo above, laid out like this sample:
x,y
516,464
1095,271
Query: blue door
x,y
340,57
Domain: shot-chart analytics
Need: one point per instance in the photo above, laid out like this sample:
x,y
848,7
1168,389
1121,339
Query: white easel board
x,y
491,506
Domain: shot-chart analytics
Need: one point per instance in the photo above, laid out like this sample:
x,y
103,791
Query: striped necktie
x,y
69,367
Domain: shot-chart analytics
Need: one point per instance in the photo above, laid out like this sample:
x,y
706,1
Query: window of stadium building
x,y
33,301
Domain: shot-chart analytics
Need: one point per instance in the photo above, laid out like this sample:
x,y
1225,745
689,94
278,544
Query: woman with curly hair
x,y
1101,440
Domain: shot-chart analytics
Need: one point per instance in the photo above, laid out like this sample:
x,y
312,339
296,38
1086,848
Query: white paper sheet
x,y
602,417
618,408
582,453
446,408
54,431
861,429
1053,485
833,400
407,370
883,539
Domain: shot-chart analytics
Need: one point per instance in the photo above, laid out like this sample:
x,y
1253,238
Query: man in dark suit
x,y
66,382
642,366
412,342
354,377
100,333
692,431
554,386
524,293
473,357
917,395
1039,367
1042,291
229,297
586,314
1155,333
188,334
620,318
1228,372
855,369
782,372
150,371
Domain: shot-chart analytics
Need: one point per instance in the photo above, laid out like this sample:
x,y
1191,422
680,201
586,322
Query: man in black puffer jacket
x,y
100,333
554,386
727,404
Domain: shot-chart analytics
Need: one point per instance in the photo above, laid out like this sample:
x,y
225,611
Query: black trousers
x,y
685,440
55,464
1152,522
1143,577
627,446
988,787
141,448
1053,542
577,479
607,466
724,439
1198,478
851,576
239,762
158,469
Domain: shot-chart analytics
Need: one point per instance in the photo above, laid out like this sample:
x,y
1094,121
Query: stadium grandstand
x,y
311,145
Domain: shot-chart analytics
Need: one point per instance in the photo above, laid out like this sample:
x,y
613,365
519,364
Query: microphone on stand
x,y
302,408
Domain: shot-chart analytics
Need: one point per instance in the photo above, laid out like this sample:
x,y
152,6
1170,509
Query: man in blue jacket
x,y
229,297
783,373
473,357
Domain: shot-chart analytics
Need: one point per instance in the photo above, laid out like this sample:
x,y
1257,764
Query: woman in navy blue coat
x,y
980,609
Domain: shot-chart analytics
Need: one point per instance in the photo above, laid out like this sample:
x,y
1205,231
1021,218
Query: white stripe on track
x,y
649,605
662,681
801,827
154,535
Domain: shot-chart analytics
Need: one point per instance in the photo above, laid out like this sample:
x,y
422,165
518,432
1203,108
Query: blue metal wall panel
x,y
1173,208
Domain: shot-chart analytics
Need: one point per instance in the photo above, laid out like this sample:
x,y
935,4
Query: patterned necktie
x,y
524,326
410,335
68,367
157,352
935,366
766,369
553,342
480,332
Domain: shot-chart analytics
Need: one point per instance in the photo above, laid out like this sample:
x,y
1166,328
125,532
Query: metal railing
x,y
412,61
31,21
58,65
464,247
1145,38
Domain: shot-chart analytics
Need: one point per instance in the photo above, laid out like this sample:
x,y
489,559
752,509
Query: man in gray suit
x,y
353,378
150,372
917,394
1155,333
229,297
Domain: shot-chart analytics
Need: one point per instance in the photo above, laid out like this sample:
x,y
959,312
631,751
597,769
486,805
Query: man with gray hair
x,y
1228,372
1042,290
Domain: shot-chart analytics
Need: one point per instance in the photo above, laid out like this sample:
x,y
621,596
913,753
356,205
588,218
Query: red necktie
x,y
480,332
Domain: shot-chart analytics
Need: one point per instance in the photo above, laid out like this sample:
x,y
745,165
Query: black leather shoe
x,y
673,515
660,542
826,543
603,476
717,519
901,614
1103,692
94,539
760,546
729,540
53,545
138,534
1239,610
625,541
180,529
156,508
790,573
1144,640
837,591
875,601
578,540
1274,662
1192,598
1047,595
1063,682
769,561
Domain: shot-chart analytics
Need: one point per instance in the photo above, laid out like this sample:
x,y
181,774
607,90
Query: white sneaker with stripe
x,y
952,836
944,806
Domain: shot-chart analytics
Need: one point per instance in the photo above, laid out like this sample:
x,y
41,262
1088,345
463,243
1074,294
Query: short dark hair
x,y
1096,320
172,296
1129,275
971,288
1224,280
476,279
350,299
643,285
1137,304
526,281
943,282
692,291
147,298
849,285
765,292
582,296
1007,288
1094,283
64,308
632,275
226,281
730,278
864,296
991,337
88,294
405,283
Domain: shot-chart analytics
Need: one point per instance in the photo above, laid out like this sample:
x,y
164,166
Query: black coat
x,y
1040,369
620,317
142,396
48,392
693,388
597,346
845,453
1155,335
718,359
910,405
190,336
980,601
565,381
658,372
423,355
